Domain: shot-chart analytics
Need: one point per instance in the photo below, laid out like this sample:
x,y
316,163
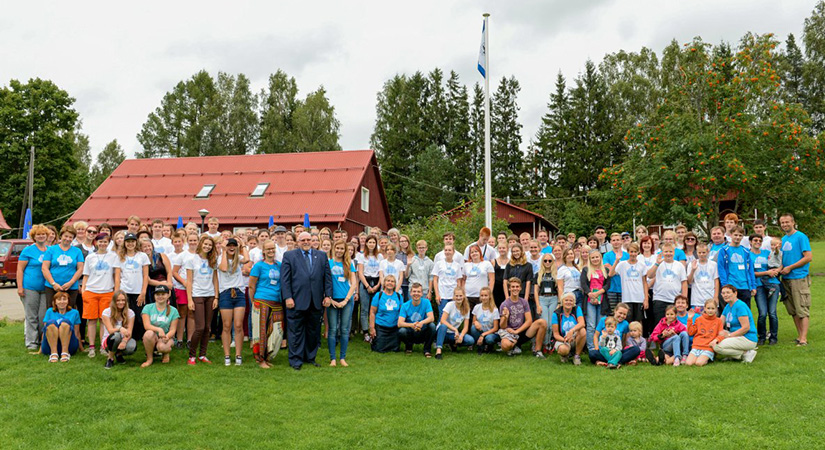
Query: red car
x,y
9,253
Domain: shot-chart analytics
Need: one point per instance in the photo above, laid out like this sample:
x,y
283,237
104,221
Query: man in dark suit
x,y
306,288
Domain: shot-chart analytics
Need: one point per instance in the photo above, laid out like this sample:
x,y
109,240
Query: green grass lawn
x,y
398,401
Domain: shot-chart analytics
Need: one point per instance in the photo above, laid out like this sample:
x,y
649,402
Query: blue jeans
x,y
443,334
442,304
766,299
548,306
579,298
594,314
490,339
340,322
677,345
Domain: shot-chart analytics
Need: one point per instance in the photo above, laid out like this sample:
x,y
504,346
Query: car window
x,y
4,248
17,249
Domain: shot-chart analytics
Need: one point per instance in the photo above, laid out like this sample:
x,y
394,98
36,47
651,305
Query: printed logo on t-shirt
x,y
205,269
131,264
337,270
702,275
416,316
391,270
372,263
449,271
101,266
274,276
737,258
475,271
455,317
390,304
787,246
633,273
64,260
40,258
669,275
760,261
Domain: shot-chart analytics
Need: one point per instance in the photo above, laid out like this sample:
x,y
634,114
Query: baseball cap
x,y
130,237
161,289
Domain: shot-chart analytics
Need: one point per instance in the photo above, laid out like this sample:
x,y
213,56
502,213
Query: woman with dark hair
x,y
368,273
62,329
499,266
62,267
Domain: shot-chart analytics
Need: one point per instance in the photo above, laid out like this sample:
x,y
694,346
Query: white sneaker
x,y
232,345
91,352
227,361
517,350
749,356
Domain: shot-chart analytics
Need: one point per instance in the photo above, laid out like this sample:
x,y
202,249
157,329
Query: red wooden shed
x,y
521,220
337,189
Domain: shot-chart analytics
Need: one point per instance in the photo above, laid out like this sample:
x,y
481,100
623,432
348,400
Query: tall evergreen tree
x,y
314,125
550,150
278,104
505,140
459,145
792,71
814,68
107,161
477,138
237,129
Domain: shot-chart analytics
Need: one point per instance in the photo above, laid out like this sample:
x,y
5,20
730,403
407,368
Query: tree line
x,y
656,137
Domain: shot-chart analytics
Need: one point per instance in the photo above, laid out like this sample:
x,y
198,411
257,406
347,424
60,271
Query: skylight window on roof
x,y
205,191
260,189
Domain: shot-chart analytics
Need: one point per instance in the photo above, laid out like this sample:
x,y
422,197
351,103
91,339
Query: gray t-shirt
x,y
517,311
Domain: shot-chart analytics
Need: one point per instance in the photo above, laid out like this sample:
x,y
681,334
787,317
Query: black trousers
x,y
303,334
411,337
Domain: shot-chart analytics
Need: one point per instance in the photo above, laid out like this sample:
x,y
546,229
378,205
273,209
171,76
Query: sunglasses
x,y
690,239
91,231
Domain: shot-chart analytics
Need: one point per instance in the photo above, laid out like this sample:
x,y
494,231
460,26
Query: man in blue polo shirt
x,y
415,321
796,259
611,258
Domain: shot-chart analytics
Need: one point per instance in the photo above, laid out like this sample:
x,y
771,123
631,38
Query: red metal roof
x,y
3,224
322,184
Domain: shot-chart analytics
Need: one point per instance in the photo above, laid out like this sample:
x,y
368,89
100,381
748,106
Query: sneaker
x,y
611,366
511,352
772,341
760,342
677,362
563,359
120,359
204,359
577,360
232,344
651,358
749,356
438,356
539,355
91,352
192,361
109,363
238,360
517,350
227,361
480,349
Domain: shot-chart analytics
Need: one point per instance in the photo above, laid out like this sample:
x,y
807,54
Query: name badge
x,y
741,267
342,279
547,290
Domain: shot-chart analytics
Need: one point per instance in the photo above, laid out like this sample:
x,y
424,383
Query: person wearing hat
x,y
160,319
232,297
279,235
132,277
626,240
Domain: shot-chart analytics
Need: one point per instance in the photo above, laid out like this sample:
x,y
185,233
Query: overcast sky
x,y
118,60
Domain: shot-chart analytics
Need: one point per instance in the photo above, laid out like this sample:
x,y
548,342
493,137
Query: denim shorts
x,y
226,301
697,353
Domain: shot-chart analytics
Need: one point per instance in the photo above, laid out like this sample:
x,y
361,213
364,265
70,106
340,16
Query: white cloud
x,y
119,61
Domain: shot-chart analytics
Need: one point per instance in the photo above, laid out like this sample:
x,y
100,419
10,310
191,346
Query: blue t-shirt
x,y
621,327
733,312
72,317
615,280
340,283
63,263
33,275
547,250
567,321
412,313
792,248
679,255
268,286
736,267
714,250
389,307
760,264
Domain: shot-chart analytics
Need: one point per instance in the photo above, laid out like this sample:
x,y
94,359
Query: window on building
x,y
365,199
205,191
260,189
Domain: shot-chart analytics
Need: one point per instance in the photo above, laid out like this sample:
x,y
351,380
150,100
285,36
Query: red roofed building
x,y
337,189
521,220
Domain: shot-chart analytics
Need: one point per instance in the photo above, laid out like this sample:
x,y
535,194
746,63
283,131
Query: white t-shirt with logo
x,y
631,278
131,272
108,313
179,259
704,283
669,278
164,245
448,275
101,272
454,316
201,276
230,279
486,318
372,264
395,268
477,277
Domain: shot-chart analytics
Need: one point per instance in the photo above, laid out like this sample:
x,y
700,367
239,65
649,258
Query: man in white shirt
x,y
162,244
449,240
279,233
488,252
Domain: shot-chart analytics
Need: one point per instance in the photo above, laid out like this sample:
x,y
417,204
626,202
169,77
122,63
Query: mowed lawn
x,y
398,401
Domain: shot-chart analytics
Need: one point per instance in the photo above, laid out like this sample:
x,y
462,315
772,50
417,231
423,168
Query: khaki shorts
x,y
797,297
572,344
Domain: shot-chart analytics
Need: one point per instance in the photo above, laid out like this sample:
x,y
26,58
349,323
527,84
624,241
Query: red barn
x,y
337,189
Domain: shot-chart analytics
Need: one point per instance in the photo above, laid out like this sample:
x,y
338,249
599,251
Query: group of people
x,y
675,300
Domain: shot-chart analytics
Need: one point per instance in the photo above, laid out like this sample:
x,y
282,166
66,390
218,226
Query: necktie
x,y
309,260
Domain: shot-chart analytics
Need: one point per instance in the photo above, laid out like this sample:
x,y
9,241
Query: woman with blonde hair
x,y
31,286
594,283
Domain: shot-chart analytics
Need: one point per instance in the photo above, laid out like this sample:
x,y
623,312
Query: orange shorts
x,y
94,304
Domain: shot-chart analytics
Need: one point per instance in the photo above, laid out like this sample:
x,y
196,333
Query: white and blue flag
x,y
482,51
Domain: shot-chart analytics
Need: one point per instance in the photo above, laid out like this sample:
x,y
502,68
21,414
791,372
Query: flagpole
x,y
488,211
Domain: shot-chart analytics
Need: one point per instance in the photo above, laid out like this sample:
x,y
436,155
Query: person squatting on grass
x,y
559,299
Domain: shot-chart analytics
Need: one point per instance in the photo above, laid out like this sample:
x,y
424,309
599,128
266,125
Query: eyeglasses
x,y
690,239
91,231
548,261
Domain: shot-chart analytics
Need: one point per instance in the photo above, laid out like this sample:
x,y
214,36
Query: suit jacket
x,y
299,284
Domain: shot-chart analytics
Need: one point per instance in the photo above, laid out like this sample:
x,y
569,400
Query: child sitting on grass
x,y
707,331
672,338
635,339
610,344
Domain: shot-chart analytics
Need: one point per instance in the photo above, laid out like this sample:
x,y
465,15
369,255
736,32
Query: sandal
x,y
53,358
65,357
801,344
